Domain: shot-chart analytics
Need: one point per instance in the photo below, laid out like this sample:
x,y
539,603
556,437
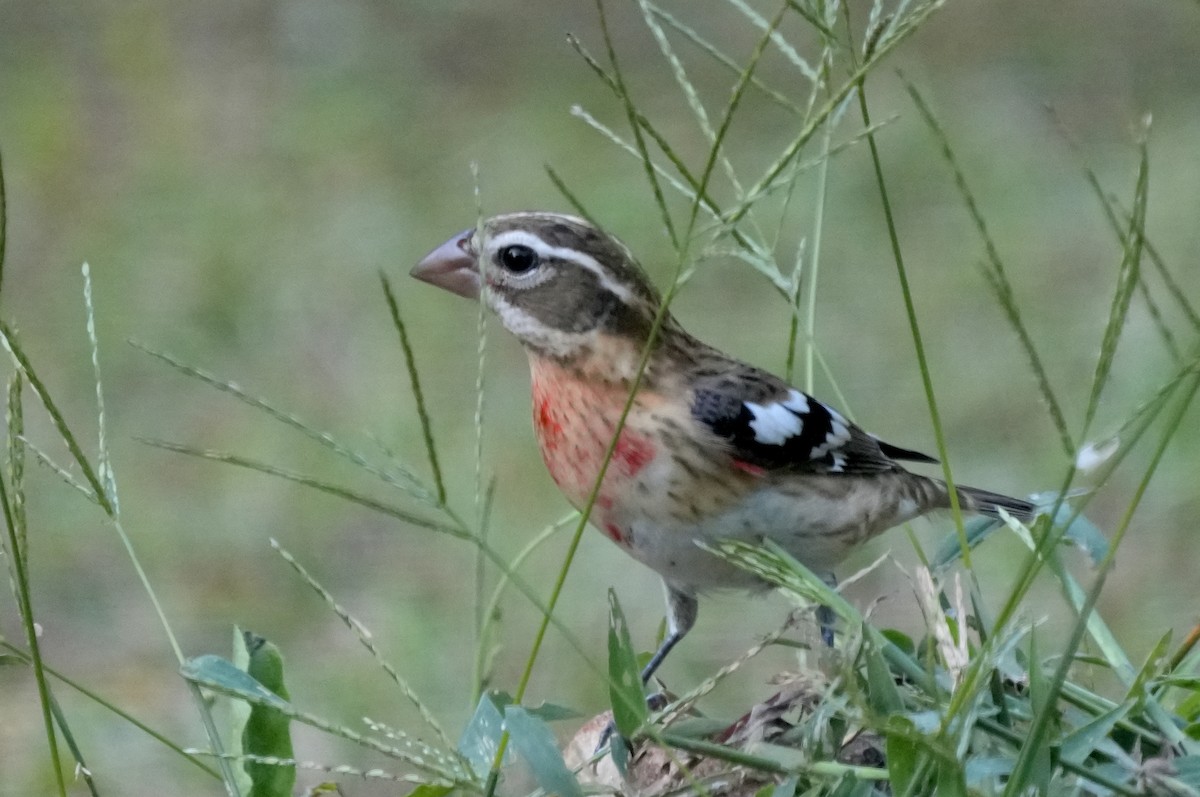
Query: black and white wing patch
x,y
788,429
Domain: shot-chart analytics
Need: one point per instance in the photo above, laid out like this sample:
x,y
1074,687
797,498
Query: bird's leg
x,y
825,616
682,608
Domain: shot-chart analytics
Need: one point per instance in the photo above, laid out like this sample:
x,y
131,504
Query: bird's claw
x,y
655,702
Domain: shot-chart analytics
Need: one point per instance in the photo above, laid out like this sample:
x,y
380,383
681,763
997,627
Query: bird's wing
x,y
770,425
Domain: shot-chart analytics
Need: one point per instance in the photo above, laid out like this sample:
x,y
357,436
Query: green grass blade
x,y
403,479
570,196
455,528
645,126
1040,727
492,607
735,99
904,29
8,339
81,768
19,569
415,382
685,187
1127,278
691,95
771,29
712,50
364,638
222,676
996,273
632,114
14,417
914,327
3,225
103,461
1120,220
344,493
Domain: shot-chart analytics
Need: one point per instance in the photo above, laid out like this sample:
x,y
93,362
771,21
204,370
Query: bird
x,y
712,448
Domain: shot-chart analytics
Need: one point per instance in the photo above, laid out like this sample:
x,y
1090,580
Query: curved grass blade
x,y
415,381
995,272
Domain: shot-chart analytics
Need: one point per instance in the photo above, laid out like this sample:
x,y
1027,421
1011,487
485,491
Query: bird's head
x,y
557,282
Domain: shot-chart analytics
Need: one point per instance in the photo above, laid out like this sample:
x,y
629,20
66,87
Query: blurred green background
x,y
237,173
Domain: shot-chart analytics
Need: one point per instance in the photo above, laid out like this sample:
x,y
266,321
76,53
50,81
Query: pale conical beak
x,y
451,266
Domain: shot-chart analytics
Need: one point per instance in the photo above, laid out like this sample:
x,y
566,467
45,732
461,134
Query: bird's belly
x,y
817,523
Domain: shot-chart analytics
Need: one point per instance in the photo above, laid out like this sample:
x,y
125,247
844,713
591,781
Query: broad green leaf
x,y
951,782
1155,661
901,640
625,682
221,675
552,712
267,733
535,743
481,738
949,550
882,693
1083,533
1187,770
430,790
1080,743
902,755
787,788
1033,768
850,786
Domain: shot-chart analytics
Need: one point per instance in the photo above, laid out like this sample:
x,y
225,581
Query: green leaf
x,y
1080,743
901,640
902,755
850,786
1083,533
1187,770
552,712
949,550
221,675
882,693
1154,663
430,790
1032,769
481,738
535,743
267,733
625,682
951,782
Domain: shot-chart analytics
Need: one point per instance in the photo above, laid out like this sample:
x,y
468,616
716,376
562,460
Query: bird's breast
x,y
659,477
574,420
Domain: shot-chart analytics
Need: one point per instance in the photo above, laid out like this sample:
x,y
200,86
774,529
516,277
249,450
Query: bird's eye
x,y
517,258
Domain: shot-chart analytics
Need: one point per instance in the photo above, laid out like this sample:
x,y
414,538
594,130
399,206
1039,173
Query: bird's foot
x,y
825,620
655,702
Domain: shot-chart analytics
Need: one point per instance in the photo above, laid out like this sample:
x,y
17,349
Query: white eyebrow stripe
x,y
545,250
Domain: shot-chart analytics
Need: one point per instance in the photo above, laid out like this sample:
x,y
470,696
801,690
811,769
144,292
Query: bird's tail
x,y
988,503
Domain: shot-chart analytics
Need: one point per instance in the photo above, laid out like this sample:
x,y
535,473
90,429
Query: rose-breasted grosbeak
x,y
712,448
